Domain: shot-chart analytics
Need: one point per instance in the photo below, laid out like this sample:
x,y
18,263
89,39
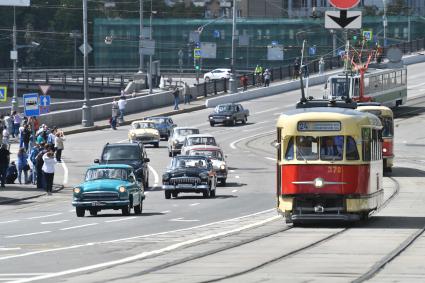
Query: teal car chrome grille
x,y
100,196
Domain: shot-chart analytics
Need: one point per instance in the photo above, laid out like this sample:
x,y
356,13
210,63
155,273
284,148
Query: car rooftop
x,y
205,147
200,135
111,166
190,157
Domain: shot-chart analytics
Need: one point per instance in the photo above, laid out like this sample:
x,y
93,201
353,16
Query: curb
x,y
60,188
128,122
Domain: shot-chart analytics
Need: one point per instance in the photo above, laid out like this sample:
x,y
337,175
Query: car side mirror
x,y
97,161
146,160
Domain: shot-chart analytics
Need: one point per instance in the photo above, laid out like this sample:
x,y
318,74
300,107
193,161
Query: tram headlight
x,y
319,183
384,150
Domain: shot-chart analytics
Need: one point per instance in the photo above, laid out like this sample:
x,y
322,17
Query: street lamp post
x,y
75,34
232,81
141,38
150,56
384,22
14,57
87,120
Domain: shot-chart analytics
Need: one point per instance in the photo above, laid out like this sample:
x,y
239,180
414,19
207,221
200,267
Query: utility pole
x,y
141,38
384,22
14,57
232,82
150,56
87,120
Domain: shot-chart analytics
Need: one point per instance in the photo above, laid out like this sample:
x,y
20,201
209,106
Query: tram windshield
x,y
322,148
339,87
388,129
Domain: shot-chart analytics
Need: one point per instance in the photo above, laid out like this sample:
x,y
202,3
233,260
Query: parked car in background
x,y
215,154
217,74
228,114
133,154
144,131
164,125
189,174
176,140
196,140
111,186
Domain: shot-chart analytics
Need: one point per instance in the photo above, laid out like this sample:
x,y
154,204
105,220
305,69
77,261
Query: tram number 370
x,y
334,169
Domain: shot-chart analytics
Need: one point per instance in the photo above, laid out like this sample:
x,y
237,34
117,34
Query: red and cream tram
x,y
329,164
386,116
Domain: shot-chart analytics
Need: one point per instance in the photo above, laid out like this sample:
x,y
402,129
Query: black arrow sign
x,y
343,20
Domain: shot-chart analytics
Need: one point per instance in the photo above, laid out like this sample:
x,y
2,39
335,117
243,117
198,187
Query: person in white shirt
x,y
49,170
121,105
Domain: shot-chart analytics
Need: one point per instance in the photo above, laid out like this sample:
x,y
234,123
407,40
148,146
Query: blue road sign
x,y
44,104
216,34
197,44
312,50
3,93
275,43
31,104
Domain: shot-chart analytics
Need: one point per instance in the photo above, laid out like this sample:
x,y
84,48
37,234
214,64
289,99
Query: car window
x,y
213,154
121,153
201,141
106,173
189,163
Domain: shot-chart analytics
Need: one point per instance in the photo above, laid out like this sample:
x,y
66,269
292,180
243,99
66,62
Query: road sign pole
x,y
233,87
15,61
87,120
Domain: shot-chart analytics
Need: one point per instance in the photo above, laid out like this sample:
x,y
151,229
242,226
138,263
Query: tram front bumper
x,y
325,217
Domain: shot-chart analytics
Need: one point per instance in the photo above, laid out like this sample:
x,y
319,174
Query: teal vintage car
x,y
112,186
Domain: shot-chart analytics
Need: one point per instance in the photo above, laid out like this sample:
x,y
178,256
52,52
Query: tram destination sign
x,y
316,126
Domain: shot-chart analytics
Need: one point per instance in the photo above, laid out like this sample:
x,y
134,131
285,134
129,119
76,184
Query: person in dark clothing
x,y
11,173
176,94
39,165
296,69
4,163
26,137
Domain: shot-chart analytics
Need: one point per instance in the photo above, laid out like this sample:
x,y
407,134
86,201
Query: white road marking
x,y
232,145
44,216
265,111
121,219
131,238
121,141
270,158
166,211
195,204
53,222
147,254
65,173
146,193
155,175
231,171
79,226
237,177
234,191
181,219
22,274
29,234
9,249
9,221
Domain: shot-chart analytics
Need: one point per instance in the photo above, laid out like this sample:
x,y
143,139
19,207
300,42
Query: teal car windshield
x,y
106,173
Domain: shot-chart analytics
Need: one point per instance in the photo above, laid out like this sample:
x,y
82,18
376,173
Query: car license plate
x,y
185,186
97,203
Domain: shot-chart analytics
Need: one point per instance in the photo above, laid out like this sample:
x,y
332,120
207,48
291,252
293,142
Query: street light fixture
x,y
232,81
141,37
384,22
87,120
150,56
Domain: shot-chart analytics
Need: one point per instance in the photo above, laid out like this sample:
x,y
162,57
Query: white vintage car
x,y
195,140
144,131
215,154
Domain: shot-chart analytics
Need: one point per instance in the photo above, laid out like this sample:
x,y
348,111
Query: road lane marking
x,y
233,144
181,219
121,141
155,175
65,173
2,249
43,216
22,274
195,204
270,158
121,219
234,191
79,226
132,238
150,253
29,234
166,211
237,177
9,221
53,222
231,171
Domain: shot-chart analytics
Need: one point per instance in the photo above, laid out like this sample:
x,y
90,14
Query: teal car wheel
x,y
126,210
93,212
80,211
138,208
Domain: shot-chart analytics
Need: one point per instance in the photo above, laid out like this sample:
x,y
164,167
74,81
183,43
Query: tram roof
x,y
384,110
350,119
374,71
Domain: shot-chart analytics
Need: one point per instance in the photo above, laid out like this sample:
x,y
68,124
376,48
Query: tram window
x,y
289,155
366,144
356,92
388,130
331,147
351,149
307,148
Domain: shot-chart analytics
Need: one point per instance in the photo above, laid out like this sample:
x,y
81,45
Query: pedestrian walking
x,y
5,134
321,66
122,102
186,93
4,163
60,138
296,68
8,122
49,170
22,165
35,150
267,75
11,173
17,120
258,74
176,94
26,137
39,165
244,82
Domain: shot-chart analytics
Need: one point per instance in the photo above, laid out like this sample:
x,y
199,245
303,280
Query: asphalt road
x,y
43,239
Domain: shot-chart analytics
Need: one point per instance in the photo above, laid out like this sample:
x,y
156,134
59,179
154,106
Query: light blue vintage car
x,y
112,186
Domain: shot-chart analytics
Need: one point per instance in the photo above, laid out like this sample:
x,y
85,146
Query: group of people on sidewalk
x,y
40,148
262,76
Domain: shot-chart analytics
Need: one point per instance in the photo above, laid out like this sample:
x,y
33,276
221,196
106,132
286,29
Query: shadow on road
x,y
408,111
406,172
395,222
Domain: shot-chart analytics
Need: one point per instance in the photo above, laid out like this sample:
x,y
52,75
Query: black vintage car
x,y
228,114
189,174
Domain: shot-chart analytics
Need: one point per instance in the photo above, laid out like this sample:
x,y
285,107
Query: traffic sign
x,y
3,93
31,104
148,47
197,53
216,34
343,19
44,88
367,35
88,49
312,50
344,4
44,104
20,3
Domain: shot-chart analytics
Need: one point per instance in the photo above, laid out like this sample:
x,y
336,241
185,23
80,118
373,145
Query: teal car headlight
x,y
77,190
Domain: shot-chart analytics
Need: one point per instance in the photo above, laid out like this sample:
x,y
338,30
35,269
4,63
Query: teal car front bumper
x,y
111,204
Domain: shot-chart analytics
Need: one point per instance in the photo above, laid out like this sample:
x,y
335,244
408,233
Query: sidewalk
x,y
14,193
